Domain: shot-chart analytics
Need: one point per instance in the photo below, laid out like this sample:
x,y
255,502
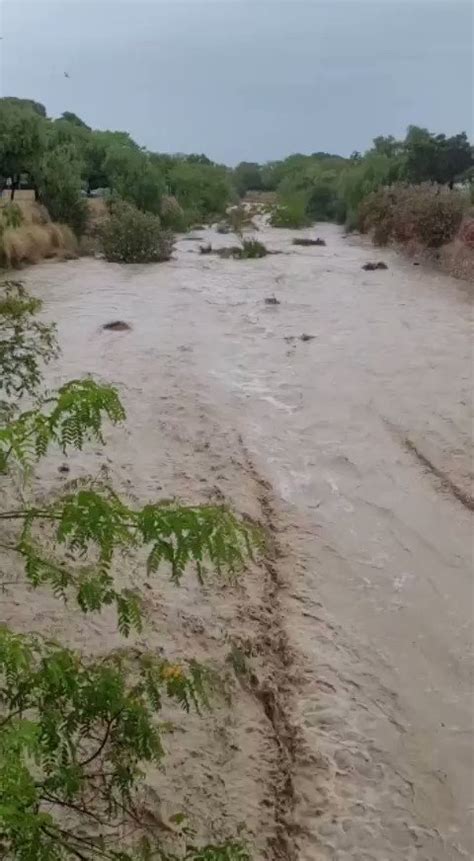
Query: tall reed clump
x,y
25,241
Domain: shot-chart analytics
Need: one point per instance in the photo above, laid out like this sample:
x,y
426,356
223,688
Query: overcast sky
x,y
244,79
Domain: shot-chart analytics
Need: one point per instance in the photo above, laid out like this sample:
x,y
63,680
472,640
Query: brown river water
x,y
351,737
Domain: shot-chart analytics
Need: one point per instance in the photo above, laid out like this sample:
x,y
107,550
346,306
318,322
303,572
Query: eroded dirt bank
x,y
349,736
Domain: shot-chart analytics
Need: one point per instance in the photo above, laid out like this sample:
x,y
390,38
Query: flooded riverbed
x,y
352,446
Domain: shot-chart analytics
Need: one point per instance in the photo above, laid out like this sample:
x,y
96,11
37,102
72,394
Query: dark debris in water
x,y
370,267
290,339
117,326
272,300
306,242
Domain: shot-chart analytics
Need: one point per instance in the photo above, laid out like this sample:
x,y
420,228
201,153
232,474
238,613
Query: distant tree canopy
x,y
436,158
321,185
70,117
248,177
31,144
28,104
22,140
333,187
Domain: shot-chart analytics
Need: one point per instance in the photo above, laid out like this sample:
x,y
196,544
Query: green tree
x,y
70,117
388,146
363,176
436,158
202,188
59,183
197,158
75,732
322,201
22,141
132,176
247,177
25,104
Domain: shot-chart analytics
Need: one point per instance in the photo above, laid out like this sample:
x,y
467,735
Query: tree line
x,y
64,159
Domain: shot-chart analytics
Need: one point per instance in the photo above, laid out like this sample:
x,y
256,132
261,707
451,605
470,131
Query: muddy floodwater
x,y
350,738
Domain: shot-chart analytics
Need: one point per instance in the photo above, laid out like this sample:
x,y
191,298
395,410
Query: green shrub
x,y
132,236
252,249
247,176
322,202
172,215
203,188
291,214
12,216
59,186
133,177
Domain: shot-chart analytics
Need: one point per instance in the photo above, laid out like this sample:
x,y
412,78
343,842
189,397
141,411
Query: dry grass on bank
x,y
31,243
31,211
37,238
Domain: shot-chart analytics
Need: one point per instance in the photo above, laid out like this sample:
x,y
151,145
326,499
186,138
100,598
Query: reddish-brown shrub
x,y
428,213
438,214
376,213
467,232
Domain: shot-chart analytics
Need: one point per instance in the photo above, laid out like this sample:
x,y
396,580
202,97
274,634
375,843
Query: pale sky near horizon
x,y
245,79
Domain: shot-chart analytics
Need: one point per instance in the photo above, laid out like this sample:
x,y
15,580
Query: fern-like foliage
x,y
69,419
91,527
75,733
73,736
25,343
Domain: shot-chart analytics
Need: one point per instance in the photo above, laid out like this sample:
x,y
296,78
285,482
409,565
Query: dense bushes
x,y
467,233
327,187
428,213
291,213
247,176
59,188
132,176
438,214
172,215
132,236
64,159
202,190
361,177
